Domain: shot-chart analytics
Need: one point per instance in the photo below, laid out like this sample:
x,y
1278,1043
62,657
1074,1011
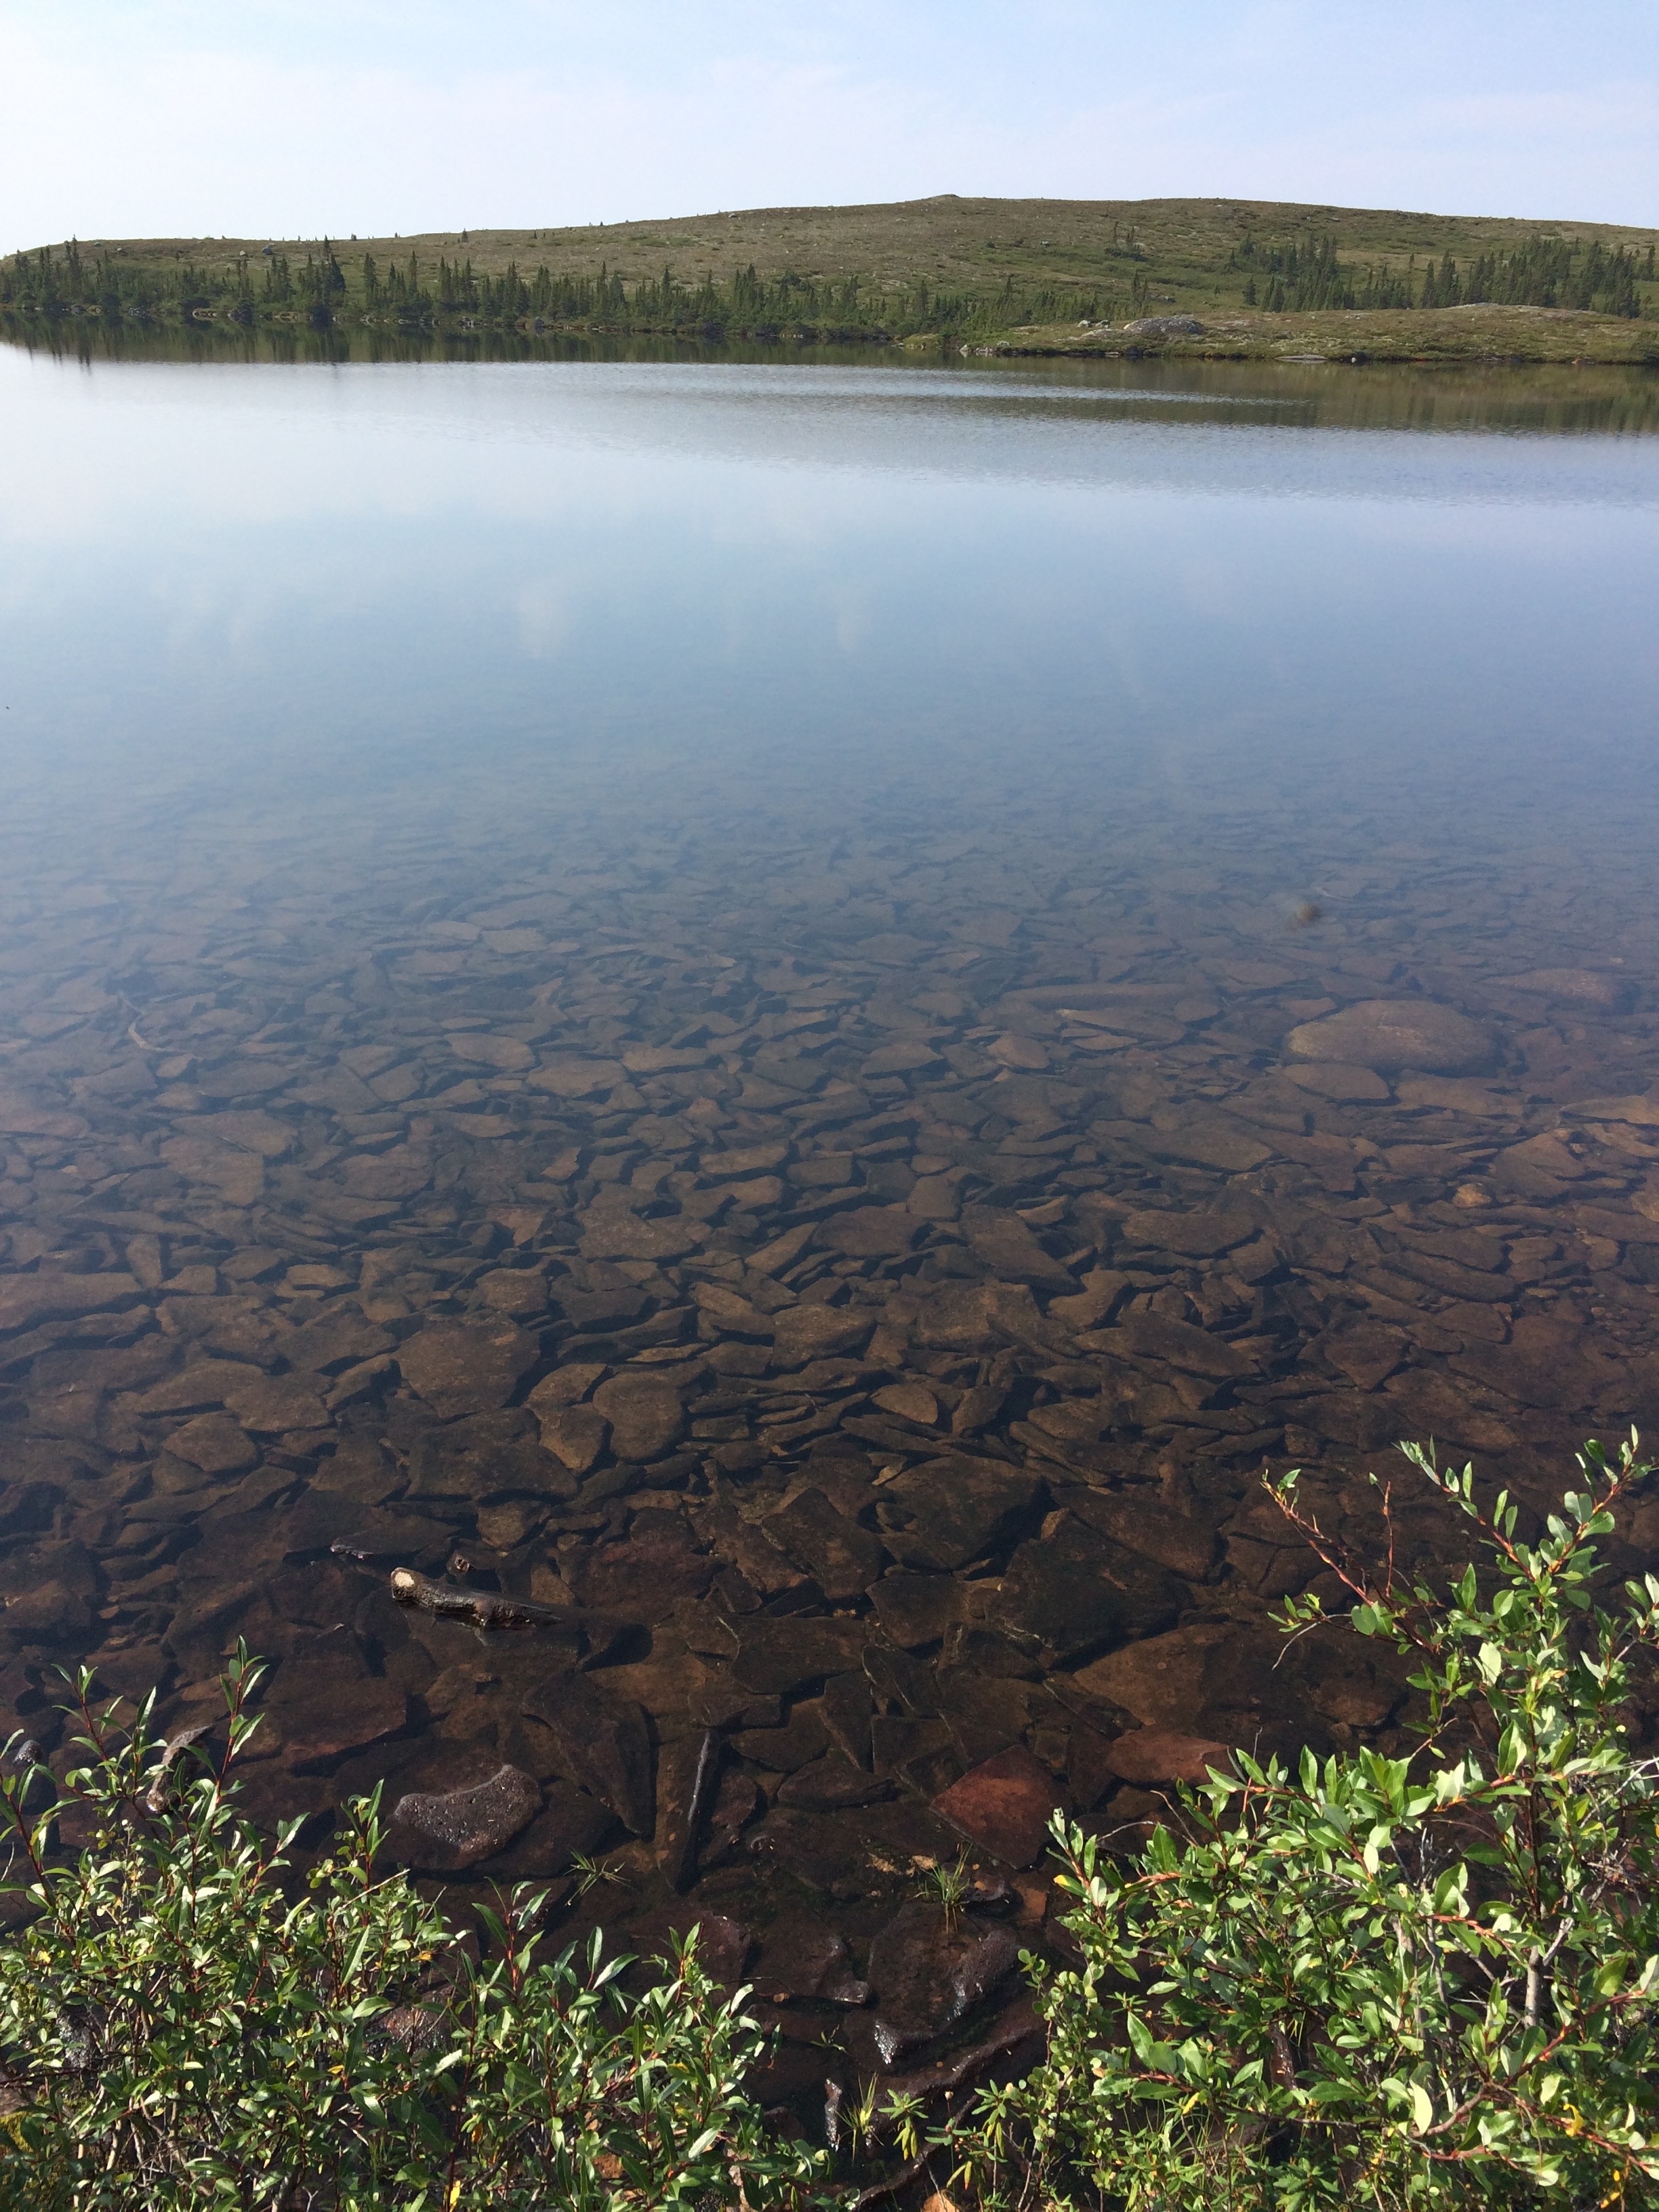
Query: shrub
x,y
180,2029
1418,1981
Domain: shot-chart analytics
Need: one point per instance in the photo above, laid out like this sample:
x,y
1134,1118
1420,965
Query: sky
x,y
305,117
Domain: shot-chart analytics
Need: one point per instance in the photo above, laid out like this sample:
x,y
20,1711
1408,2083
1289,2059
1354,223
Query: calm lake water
x,y
807,1008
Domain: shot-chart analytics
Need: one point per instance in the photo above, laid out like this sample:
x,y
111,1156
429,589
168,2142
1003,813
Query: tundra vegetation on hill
x,y
954,269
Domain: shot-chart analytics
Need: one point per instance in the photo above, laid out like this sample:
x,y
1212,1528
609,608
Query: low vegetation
x,y
948,270
1430,1979
1383,1982
179,2029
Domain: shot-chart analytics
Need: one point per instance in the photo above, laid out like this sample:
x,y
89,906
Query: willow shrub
x,y
1380,1982
178,2028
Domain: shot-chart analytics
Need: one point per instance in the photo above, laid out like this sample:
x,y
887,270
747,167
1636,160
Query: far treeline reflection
x,y
1492,396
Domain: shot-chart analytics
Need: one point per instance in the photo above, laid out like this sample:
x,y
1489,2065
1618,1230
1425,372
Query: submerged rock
x,y
446,1832
828,1784
928,1967
605,1742
955,1509
1074,1592
1005,1805
1152,1757
842,1559
1389,1034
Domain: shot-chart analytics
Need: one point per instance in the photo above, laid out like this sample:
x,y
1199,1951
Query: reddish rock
x,y
1152,1757
27,1300
843,1558
1005,1805
1006,1245
928,1967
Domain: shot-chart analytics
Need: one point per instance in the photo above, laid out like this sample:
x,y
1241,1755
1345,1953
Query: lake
x,y
799,1011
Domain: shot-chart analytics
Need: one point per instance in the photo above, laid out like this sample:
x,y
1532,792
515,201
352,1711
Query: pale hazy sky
x,y
289,117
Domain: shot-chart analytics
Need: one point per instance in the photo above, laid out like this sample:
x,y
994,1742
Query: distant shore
x,y
1217,279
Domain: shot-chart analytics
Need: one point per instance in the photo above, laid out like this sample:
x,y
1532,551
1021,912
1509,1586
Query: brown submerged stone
x,y
1005,1805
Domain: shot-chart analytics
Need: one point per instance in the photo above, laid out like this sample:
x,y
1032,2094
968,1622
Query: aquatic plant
x,y
1431,1979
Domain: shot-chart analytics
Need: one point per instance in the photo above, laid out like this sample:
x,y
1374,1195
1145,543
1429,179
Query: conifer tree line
x,y
1298,275
1544,272
318,289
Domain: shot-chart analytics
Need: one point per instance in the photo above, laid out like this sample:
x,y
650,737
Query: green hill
x,y
969,270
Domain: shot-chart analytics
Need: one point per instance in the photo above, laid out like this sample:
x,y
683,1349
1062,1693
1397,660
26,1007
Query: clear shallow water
x,y
536,848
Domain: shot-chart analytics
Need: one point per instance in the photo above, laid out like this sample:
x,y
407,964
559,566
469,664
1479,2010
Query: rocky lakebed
x,y
723,1397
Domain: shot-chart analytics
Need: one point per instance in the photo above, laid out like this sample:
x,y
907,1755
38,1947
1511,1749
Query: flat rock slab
x,y
802,1957
972,1317
1343,1085
1005,1805
830,1783
1170,1682
915,1610
570,1823
214,1442
446,1832
576,1435
340,1339
1386,1035
1153,1758
1177,1343
460,1370
397,1173
1197,1236
958,1508
271,1405
564,1077
324,1701
784,1655
842,1558
817,1331
1004,1244
27,1300
613,1228
597,1309
871,1232
604,1741
1075,1593
645,1416
641,1577
909,1401
1578,987
731,1314
1209,1141
509,1055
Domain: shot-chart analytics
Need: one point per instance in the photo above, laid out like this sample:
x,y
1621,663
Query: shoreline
x,y
1414,337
